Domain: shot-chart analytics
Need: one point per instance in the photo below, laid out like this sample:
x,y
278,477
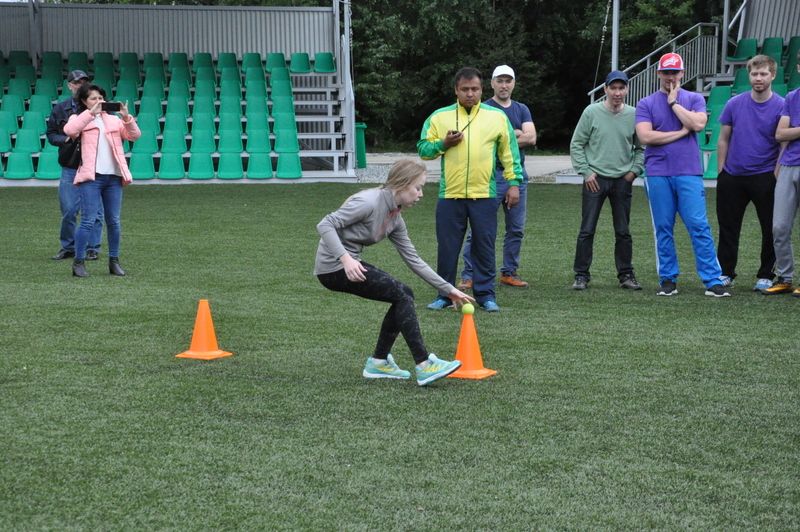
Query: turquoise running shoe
x,y
376,368
434,369
440,303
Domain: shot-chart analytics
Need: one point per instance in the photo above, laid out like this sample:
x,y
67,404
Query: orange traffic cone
x,y
469,353
204,340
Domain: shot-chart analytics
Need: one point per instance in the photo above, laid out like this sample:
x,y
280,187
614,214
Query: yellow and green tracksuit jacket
x,y
468,167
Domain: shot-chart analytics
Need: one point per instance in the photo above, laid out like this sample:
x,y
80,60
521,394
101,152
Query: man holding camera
x,y
467,135
67,192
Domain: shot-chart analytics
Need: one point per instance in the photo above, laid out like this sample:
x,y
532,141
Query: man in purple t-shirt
x,y
667,122
747,155
787,193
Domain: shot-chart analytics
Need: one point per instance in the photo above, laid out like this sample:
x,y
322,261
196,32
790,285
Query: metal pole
x,y
615,37
726,20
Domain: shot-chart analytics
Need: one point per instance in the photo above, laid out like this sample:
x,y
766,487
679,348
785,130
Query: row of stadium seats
x,y
773,47
172,166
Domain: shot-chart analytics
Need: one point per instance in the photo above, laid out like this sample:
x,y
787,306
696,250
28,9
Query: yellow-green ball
x,y
467,308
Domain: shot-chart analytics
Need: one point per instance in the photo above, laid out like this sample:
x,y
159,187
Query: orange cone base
x,y
475,374
204,355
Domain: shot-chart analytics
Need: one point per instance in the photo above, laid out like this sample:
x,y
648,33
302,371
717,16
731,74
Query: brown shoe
x,y
513,280
465,284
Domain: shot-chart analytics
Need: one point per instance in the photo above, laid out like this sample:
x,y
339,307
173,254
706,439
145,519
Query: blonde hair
x,y
759,61
403,173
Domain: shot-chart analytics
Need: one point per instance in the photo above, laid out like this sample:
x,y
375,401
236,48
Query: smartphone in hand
x,y
111,107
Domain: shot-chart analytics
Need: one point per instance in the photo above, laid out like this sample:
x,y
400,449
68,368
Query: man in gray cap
x,y
67,192
503,82
607,153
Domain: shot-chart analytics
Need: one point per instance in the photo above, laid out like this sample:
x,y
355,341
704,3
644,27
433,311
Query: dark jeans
x,y
401,316
452,216
103,196
619,193
733,194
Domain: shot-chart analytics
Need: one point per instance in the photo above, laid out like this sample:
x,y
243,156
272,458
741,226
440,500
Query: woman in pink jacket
x,y
102,173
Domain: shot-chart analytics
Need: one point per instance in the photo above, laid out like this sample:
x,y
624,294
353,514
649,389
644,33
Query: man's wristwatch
x,y
672,103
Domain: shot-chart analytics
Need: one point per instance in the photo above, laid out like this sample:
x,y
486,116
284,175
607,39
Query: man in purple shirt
x,y
667,122
747,155
787,193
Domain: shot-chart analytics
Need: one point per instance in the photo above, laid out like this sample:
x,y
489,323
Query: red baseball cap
x,y
670,61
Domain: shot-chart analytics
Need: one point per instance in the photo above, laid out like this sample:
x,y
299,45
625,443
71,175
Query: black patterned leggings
x,y
401,316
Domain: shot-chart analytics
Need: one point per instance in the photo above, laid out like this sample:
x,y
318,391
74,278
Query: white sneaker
x,y
762,284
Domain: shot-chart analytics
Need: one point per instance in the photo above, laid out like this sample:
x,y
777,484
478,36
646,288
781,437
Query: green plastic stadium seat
x,y
171,166
203,122
710,143
256,121
227,60
151,104
129,60
181,74
5,75
741,81
19,166
256,89
251,60
147,143
28,141
230,141
176,122
791,54
773,47
711,166
299,63
230,166
148,123
52,73
78,61
283,121
255,75
126,89
130,73
205,88
279,74
153,59
142,167
203,142
258,141
5,141
230,121
719,95
230,75
275,59
230,89
34,120
46,87
204,104
201,166
324,63
178,60
780,75
19,87
781,89
155,73
178,104
41,103
289,166
281,88
286,141
202,60
153,87
174,141
282,104
178,87
794,80
103,60
9,122
18,57
259,166
47,168
230,105
256,105
205,74
745,49
52,59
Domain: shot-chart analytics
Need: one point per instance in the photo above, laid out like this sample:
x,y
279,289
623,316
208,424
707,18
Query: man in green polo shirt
x,y
606,152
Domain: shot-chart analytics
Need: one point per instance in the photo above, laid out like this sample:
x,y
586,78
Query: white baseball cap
x,y
503,70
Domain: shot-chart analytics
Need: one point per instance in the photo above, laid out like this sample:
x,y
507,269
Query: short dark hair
x,y
467,73
83,93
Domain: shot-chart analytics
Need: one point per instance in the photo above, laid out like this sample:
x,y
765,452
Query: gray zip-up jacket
x,y
366,218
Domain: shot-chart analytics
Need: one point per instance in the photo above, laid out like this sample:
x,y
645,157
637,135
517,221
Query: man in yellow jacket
x,y
468,135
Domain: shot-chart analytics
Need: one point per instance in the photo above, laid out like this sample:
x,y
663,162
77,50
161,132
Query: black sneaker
x,y
668,288
91,254
629,282
581,283
718,290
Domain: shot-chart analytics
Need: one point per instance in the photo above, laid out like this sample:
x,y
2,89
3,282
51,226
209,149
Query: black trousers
x,y
733,195
619,193
401,316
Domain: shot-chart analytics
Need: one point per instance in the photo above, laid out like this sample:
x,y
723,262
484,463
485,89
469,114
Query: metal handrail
x,y
671,44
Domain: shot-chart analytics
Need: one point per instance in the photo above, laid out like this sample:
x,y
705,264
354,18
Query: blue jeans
x,y
684,195
452,216
102,194
69,200
515,230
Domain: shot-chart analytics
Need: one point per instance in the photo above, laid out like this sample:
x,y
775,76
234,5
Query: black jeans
x,y
619,193
733,195
401,316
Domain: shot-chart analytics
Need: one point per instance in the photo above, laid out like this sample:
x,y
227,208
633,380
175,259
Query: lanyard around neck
x,y
470,120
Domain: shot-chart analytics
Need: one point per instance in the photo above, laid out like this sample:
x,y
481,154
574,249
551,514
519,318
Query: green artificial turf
x,y
611,409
